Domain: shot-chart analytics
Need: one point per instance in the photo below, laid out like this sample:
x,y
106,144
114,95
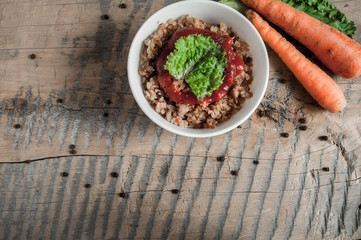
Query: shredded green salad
x,y
199,61
322,10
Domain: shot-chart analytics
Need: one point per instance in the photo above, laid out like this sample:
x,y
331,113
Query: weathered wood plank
x,y
64,203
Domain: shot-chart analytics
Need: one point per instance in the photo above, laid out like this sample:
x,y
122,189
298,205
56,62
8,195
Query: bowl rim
x,y
157,118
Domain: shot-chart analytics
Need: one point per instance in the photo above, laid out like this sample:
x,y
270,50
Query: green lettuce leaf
x,y
200,62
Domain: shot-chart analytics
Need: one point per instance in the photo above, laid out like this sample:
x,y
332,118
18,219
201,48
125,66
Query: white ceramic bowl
x,y
215,13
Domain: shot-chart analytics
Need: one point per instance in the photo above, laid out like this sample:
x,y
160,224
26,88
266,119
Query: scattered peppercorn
x,y
32,56
255,162
323,138
285,135
106,114
109,102
123,5
73,151
325,169
17,126
234,173
221,159
303,127
302,120
71,146
114,174
175,191
87,185
64,174
59,100
104,17
122,195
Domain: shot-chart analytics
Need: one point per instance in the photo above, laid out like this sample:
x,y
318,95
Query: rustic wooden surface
x,y
126,178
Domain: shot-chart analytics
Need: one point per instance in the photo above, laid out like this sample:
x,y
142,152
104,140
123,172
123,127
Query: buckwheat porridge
x,y
173,98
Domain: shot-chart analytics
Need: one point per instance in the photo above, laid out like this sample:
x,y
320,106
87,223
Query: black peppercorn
x,y
175,191
221,159
325,169
303,127
105,17
234,173
323,138
123,5
302,120
285,135
123,195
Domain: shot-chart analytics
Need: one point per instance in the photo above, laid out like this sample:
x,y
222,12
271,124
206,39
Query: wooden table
x,y
80,160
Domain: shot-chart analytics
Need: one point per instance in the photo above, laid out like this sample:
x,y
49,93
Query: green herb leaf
x,y
200,62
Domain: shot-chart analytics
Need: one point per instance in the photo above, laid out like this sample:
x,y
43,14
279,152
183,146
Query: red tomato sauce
x,y
234,68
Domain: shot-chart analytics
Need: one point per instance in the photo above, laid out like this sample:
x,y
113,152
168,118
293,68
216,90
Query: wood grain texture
x,y
70,110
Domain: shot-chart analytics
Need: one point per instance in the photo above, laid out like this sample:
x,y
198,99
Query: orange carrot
x,y
321,86
341,54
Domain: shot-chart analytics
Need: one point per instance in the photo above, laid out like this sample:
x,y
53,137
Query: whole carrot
x,y
321,86
341,54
